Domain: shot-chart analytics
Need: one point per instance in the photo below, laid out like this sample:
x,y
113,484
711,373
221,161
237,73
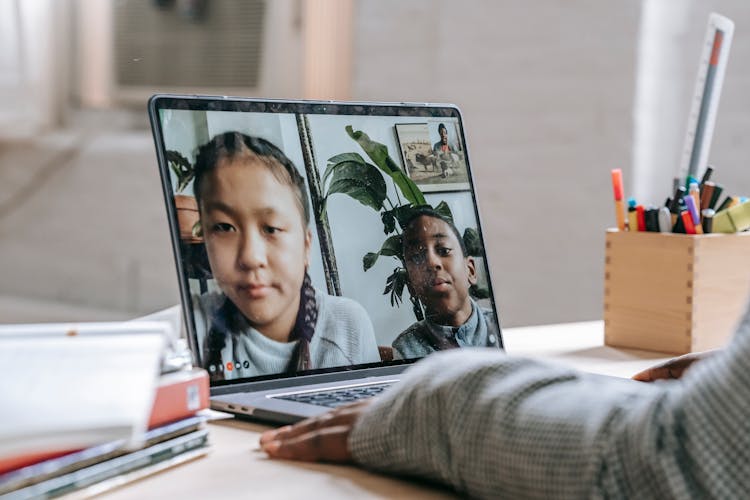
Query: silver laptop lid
x,y
316,237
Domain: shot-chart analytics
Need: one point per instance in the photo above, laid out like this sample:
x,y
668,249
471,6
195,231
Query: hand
x,y
318,439
671,369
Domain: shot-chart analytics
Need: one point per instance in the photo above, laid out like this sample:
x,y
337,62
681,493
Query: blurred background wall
x,y
554,95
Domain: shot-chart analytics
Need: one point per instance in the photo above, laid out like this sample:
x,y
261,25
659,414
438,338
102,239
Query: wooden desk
x,y
235,469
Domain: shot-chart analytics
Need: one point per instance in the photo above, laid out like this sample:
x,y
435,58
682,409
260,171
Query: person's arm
x,y
489,425
493,426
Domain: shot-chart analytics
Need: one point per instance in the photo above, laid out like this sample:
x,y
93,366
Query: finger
x,y
652,374
329,444
343,415
672,369
271,434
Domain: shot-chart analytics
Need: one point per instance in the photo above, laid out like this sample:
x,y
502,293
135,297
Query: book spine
x,y
179,395
116,466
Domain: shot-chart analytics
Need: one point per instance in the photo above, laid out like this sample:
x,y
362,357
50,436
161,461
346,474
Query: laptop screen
x,y
320,236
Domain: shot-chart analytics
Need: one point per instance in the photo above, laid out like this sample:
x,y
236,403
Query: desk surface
x,y
234,467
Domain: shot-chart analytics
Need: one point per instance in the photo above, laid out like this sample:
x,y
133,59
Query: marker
x,y
651,216
734,202
678,227
687,222
707,191
715,197
707,175
692,209
695,192
724,204
640,214
674,208
632,215
690,180
665,220
619,208
708,220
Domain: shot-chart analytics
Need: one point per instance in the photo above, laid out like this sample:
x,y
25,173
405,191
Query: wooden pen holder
x,y
674,293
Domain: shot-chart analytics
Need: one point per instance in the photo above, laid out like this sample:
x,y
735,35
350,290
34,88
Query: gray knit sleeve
x,y
495,426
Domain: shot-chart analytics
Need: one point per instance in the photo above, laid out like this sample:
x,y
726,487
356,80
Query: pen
x,y
707,174
651,215
708,220
695,191
715,197
632,215
724,204
619,208
674,207
640,214
692,209
707,192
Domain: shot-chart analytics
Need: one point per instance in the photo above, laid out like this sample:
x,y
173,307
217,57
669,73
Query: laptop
x,y
321,247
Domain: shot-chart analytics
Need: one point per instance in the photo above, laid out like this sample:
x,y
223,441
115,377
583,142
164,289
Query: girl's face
x,y
257,243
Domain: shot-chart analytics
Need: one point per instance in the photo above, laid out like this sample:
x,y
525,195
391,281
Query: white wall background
x,y
549,91
546,93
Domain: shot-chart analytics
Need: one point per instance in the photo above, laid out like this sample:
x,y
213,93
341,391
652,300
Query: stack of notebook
x,y
76,420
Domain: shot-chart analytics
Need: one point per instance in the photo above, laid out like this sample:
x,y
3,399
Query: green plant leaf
x,y
369,260
395,284
378,153
472,242
357,191
389,221
443,209
183,170
342,158
361,181
403,214
391,248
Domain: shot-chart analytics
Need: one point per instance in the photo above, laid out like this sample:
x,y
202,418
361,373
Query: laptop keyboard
x,y
337,397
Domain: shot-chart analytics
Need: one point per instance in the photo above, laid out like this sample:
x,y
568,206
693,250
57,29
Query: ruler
x,y
713,64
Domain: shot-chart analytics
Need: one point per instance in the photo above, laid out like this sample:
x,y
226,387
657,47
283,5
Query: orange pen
x,y
619,206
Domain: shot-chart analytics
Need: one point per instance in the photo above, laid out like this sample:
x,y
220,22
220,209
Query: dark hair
x,y
431,212
442,127
231,145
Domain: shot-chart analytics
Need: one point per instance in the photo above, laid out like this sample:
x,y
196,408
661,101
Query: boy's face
x,y
439,274
257,244
443,136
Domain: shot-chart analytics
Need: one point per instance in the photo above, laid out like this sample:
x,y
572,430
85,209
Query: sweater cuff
x,y
368,440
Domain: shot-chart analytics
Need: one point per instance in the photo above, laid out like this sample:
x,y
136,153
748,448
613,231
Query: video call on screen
x,y
389,264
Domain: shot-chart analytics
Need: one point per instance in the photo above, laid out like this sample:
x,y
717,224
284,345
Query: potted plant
x,y
186,206
351,175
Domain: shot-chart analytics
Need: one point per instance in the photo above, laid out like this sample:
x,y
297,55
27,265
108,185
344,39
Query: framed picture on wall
x,y
433,156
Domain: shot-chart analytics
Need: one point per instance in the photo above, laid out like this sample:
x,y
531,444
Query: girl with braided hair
x,y
266,318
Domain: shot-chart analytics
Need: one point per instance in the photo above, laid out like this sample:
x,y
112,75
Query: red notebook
x,y
179,395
